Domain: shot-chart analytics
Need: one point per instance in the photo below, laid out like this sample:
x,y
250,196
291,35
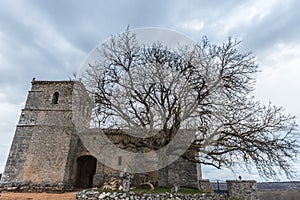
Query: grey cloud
x,y
89,22
28,52
281,25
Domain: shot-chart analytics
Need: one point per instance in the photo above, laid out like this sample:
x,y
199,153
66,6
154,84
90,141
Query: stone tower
x,y
43,148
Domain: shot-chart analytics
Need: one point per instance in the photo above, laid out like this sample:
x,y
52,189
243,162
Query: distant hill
x,y
279,185
262,186
268,190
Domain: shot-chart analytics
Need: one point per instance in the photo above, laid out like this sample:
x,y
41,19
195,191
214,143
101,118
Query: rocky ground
x,y
37,196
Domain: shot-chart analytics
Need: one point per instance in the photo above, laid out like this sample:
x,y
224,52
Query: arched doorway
x,y
85,171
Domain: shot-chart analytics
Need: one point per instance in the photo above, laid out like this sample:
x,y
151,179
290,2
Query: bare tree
x,y
206,88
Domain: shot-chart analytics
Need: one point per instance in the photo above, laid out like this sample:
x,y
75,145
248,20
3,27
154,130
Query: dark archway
x,y
85,171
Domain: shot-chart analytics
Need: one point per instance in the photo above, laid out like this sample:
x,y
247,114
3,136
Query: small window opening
x,y
55,98
120,160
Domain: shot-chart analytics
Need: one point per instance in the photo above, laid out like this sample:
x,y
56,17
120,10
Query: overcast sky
x,y
50,39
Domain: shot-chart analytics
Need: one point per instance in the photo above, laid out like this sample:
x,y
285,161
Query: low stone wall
x,y
30,187
246,190
93,195
205,186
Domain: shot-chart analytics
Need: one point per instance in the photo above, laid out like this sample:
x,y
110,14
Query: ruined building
x,y
47,150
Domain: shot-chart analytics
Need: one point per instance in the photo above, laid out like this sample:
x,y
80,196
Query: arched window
x,y
55,98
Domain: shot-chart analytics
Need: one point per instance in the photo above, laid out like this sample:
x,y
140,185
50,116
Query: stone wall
x,y
48,154
84,195
239,190
205,186
17,155
246,190
37,188
180,172
184,173
41,94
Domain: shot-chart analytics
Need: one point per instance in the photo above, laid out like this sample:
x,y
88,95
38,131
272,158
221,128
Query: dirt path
x,y
38,196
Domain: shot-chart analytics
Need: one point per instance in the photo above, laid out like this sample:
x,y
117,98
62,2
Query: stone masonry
x,y
41,147
46,149
246,190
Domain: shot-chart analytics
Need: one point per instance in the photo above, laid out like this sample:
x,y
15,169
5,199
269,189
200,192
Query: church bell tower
x,y
45,139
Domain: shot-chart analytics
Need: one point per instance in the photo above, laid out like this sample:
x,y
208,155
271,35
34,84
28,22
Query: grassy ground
x,y
161,190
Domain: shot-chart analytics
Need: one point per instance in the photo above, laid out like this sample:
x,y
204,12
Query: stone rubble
x,y
36,188
95,195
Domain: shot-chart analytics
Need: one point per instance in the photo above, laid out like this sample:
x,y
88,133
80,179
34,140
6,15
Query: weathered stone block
x,y
246,190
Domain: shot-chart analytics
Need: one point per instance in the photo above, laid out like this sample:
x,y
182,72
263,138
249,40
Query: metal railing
x,y
219,186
